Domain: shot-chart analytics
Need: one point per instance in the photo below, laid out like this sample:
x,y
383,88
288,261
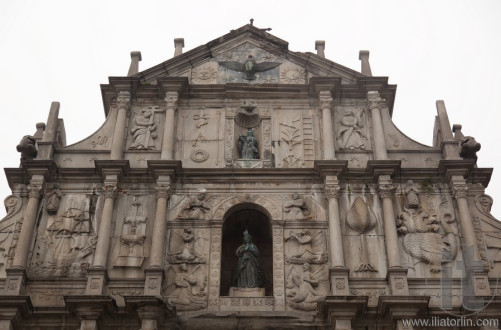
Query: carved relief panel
x,y
9,231
427,227
131,253
66,238
305,246
352,128
363,236
200,137
144,130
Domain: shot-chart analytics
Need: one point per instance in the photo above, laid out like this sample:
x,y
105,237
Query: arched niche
x,y
255,219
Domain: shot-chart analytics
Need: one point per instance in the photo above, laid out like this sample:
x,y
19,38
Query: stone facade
x,y
136,226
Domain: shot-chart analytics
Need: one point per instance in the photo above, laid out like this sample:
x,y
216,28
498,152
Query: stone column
x,y
397,276
375,105
154,273
97,274
29,220
123,104
325,101
168,140
471,255
338,272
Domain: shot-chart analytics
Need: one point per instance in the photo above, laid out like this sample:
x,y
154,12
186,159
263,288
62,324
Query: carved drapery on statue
x,y
144,130
249,273
351,134
247,146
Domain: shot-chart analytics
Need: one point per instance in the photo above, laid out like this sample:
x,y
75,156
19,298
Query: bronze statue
x,y
250,67
249,273
247,146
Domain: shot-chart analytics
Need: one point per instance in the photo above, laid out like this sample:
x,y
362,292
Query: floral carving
x,y
293,76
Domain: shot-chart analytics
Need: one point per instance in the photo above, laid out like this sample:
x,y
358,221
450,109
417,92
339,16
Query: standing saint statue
x,y
144,131
247,146
249,273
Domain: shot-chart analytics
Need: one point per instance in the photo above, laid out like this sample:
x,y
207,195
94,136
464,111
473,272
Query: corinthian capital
x,y
162,191
110,191
123,100
325,100
332,191
171,100
34,190
374,100
386,190
459,190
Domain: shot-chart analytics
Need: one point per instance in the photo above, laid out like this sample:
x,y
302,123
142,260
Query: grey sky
x,y
62,50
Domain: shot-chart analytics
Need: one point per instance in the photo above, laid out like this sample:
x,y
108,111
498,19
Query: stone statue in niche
x,y
65,248
144,130
306,288
247,146
361,219
422,234
249,273
195,208
297,209
52,197
186,287
131,252
185,247
250,67
304,247
27,147
351,133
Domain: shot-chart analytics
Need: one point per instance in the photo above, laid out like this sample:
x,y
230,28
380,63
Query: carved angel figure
x,y
144,130
196,208
305,289
250,67
186,289
304,247
184,247
422,239
296,208
351,133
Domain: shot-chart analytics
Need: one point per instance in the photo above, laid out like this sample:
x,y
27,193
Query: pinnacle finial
x,y
252,21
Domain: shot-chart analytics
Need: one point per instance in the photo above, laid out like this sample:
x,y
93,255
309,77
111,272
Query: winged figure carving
x,y
250,67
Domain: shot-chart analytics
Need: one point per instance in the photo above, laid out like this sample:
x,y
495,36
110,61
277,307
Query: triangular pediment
x,y
223,60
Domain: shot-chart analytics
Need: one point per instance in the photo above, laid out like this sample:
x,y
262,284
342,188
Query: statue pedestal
x,y
246,292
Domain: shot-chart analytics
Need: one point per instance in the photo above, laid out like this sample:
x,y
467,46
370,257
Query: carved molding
x,y
215,265
278,267
272,208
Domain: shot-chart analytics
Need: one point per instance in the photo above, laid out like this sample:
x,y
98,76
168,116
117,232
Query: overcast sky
x,y
433,50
